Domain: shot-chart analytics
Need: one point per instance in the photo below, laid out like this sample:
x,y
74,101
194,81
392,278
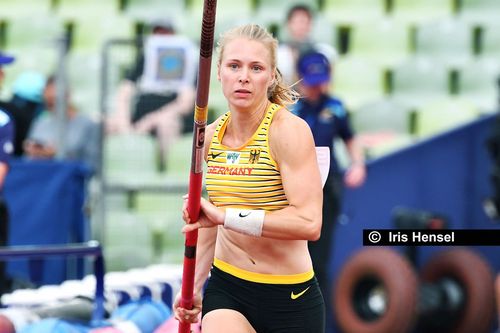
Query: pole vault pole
x,y
197,154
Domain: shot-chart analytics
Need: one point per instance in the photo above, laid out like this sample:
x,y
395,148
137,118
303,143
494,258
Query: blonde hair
x,y
278,92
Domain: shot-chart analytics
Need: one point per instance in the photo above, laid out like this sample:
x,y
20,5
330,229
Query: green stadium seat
x,y
128,241
447,41
117,201
357,81
25,8
178,159
478,84
165,226
419,11
153,9
130,159
324,30
382,126
383,115
167,205
77,9
480,11
442,115
351,12
89,34
27,33
384,42
83,73
490,47
418,81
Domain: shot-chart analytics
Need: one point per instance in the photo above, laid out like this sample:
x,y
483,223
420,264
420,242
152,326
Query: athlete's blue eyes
x,y
255,68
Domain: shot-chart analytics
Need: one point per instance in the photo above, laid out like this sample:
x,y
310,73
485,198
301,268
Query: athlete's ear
x,y
218,72
274,76
273,81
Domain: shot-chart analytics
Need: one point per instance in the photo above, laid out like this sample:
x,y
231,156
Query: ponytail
x,y
281,93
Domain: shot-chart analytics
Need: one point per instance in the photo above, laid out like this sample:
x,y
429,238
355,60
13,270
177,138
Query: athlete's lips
x,y
242,91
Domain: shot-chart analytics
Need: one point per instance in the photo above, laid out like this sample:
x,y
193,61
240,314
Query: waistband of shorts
x,y
263,278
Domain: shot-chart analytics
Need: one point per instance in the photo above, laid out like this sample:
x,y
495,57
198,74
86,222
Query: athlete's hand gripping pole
x,y
196,174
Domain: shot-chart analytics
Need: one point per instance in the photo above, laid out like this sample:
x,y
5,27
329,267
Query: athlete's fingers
x,y
191,313
185,315
188,319
185,216
215,214
191,227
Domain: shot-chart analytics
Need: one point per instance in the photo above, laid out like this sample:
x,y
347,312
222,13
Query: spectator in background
x,y
164,113
298,39
80,132
6,149
26,104
327,118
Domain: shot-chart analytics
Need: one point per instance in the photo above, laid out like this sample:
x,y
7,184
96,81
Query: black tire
x,y
372,271
475,278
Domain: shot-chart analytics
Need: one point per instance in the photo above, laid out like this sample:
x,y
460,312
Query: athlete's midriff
x,y
263,255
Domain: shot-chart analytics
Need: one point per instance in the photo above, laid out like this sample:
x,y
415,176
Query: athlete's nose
x,y
244,76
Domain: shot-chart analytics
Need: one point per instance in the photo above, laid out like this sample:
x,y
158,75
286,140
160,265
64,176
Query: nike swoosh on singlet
x,y
295,296
214,156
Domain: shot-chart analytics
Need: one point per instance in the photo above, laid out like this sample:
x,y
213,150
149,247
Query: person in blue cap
x,y
25,105
328,119
6,148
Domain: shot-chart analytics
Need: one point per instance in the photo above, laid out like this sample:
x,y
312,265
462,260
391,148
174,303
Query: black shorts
x,y
269,308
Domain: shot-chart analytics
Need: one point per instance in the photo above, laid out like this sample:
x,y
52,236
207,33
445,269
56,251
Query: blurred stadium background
x,y
407,70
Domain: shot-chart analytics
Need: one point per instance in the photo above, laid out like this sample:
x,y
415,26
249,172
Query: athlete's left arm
x,y
292,146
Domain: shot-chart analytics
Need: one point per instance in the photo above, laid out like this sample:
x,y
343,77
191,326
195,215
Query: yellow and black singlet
x,y
246,177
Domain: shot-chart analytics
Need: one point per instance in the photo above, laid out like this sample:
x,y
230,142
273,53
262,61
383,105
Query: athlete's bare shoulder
x,y
288,125
288,133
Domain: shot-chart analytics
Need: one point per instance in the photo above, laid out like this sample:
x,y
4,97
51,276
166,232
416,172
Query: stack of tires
x,y
379,290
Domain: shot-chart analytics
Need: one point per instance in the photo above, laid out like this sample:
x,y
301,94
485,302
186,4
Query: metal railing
x,y
91,248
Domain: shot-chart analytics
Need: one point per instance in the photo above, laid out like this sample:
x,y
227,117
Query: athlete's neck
x,y
243,124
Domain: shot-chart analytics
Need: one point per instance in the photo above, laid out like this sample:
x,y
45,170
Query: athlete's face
x,y
245,73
